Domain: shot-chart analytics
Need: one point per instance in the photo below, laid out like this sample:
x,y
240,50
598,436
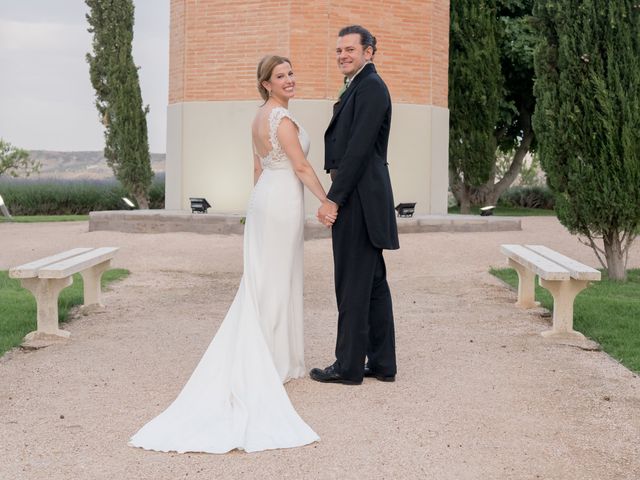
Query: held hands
x,y
327,213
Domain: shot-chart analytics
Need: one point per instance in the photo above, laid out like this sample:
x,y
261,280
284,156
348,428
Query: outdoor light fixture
x,y
199,205
128,203
406,209
487,211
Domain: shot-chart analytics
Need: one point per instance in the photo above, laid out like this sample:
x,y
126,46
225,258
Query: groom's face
x,y
351,55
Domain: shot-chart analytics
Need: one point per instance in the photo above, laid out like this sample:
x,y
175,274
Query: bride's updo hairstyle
x,y
265,69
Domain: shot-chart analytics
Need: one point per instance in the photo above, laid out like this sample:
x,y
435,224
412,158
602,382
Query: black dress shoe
x,y
383,378
330,375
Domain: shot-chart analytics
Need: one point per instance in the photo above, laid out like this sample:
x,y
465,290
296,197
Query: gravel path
x,y
479,393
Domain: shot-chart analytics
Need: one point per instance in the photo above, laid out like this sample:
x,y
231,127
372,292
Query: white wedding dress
x,y
235,398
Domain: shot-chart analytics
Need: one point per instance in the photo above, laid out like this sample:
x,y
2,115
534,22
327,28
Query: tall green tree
x,y
114,77
587,120
514,137
16,161
475,84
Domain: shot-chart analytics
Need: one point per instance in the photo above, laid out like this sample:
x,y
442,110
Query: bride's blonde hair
x,y
265,69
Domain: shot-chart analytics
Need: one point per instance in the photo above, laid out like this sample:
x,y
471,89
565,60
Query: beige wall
x,y
209,153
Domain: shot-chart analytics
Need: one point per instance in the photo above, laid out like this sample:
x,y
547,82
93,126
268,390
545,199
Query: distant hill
x,y
81,165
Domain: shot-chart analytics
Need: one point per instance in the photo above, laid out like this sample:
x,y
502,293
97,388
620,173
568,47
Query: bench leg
x,y
526,286
46,291
91,278
564,293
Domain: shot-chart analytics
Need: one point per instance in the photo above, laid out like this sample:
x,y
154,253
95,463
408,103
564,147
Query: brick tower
x,y
215,48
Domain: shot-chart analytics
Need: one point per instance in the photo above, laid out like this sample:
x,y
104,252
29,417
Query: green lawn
x,y
18,306
46,218
606,311
510,211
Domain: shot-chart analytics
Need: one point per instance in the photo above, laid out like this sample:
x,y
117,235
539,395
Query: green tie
x,y
344,87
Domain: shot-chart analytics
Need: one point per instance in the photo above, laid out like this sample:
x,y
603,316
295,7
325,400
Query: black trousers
x,y
365,313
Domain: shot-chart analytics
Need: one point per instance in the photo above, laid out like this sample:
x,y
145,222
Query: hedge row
x,y
75,197
70,197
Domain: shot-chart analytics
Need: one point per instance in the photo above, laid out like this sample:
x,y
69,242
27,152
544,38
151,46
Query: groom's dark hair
x,y
366,39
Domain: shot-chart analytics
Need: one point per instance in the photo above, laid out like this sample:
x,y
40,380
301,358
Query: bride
x,y
235,397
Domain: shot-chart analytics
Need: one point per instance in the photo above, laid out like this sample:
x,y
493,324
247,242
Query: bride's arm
x,y
288,137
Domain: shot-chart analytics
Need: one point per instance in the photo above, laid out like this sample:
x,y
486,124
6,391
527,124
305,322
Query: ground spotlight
x,y
406,209
199,205
487,211
128,203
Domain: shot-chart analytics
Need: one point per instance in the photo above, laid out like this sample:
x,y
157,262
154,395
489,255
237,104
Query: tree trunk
x,y
465,199
141,200
460,192
454,186
615,255
489,193
516,164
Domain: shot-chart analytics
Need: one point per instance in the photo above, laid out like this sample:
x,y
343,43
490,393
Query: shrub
x,y
70,197
528,197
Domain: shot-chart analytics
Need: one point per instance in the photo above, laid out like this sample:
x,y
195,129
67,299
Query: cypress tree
x,y
114,77
475,84
587,120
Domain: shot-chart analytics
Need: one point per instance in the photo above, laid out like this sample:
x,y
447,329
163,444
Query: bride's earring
x,y
270,93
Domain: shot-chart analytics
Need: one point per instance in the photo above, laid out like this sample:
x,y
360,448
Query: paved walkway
x,y
480,394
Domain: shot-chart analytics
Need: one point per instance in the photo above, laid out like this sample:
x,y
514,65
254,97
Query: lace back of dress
x,y
276,157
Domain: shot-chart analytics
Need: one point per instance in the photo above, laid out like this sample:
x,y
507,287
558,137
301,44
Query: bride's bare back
x,y
260,131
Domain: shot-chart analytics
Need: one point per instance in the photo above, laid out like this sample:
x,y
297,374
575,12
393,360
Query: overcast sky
x,y
46,97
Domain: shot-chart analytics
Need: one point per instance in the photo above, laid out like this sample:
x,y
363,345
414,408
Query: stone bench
x,y
561,275
46,277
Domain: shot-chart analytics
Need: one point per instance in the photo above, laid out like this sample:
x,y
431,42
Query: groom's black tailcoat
x,y
356,147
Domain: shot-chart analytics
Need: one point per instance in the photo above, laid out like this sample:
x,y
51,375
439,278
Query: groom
x,y
356,157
